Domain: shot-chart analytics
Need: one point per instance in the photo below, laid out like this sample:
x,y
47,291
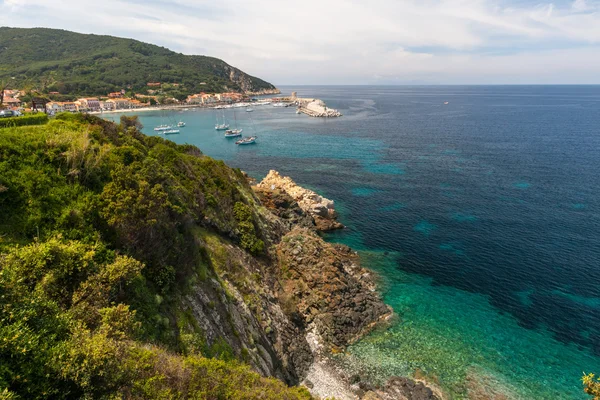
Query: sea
x,y
478,207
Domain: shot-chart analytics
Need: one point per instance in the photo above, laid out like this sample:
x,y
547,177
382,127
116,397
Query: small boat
x,y
279,105
233,133
170,131
181,124
247,140
161,128
249,109
222,127
446,103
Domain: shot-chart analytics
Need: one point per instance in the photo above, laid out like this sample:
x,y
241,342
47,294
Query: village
x,y
116,101
14,99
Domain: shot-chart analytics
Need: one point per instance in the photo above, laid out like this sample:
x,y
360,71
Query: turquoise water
x,y
481,217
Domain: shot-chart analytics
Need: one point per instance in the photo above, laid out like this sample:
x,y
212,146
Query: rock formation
x,y
322,210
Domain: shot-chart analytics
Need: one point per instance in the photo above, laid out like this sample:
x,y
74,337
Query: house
x,y
69,106
153,84
89,104
115,95
195,99
119,104
107,105
11,102
54,107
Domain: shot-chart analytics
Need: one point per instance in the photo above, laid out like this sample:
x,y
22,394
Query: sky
x,y
353,42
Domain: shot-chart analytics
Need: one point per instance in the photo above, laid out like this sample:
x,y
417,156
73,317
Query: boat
x,y
161,128
279,105
247,140
181,124
221,127
170,131
233,133
446,103
249,109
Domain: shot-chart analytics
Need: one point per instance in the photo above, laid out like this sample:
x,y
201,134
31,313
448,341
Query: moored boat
x,y
170,131
161,128
233,133
246,140
181,124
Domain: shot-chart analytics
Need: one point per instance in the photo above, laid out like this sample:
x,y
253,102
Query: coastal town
x,y
122,101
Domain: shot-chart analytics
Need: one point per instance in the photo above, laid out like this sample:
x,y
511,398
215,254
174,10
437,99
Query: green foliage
x,y
73,63
248,238
591,385
96,237
27,119
131,122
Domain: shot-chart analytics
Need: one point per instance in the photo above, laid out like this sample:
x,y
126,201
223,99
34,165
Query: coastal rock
x,y
327,289
321,209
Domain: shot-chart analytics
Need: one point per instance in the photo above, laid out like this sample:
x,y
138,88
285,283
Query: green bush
x,y
248,239
27,119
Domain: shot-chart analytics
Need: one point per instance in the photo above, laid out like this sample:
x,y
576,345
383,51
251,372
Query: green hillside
x,y
74,63
100,245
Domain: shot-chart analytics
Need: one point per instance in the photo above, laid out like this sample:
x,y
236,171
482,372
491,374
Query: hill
x,y
132,267
80,64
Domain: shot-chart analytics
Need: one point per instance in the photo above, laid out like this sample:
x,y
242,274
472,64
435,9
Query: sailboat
x,y
233,132
168,128
246,140
223,126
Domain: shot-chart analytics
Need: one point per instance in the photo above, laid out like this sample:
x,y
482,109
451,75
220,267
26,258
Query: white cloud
x,y
350,41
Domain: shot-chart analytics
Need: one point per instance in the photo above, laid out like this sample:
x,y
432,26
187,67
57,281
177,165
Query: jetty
x,y
310,107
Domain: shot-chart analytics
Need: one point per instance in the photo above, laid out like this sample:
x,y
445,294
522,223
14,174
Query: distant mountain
x,y
75,63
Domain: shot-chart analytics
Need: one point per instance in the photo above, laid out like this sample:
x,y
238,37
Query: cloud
x,y
350,41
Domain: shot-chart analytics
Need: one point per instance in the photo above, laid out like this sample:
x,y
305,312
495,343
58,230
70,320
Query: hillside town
x,y
18,100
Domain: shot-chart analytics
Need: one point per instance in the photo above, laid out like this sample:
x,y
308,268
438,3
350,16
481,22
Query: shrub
x,y
248,239
28,119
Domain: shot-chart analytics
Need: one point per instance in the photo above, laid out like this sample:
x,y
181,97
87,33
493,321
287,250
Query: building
x,y
153,84
54,107
69,106
195,99
119,104
89,104
115,95
107,105
11,102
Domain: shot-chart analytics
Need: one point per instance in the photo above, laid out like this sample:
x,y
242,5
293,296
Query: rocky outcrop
x,y
322,210
324,287
249,84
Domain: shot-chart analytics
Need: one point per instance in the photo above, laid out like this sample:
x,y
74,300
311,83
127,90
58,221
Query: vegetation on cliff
x,y
73,63
99,241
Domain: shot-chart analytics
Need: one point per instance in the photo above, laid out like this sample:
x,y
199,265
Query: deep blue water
x,y
481,216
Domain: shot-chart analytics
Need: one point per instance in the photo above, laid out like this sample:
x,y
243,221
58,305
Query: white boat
x,y
161,128
221,127
247,140
233,133
279,105
181,124
249,109
170,131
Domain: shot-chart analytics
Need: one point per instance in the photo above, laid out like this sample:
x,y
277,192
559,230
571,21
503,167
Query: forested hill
x,y
74,63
